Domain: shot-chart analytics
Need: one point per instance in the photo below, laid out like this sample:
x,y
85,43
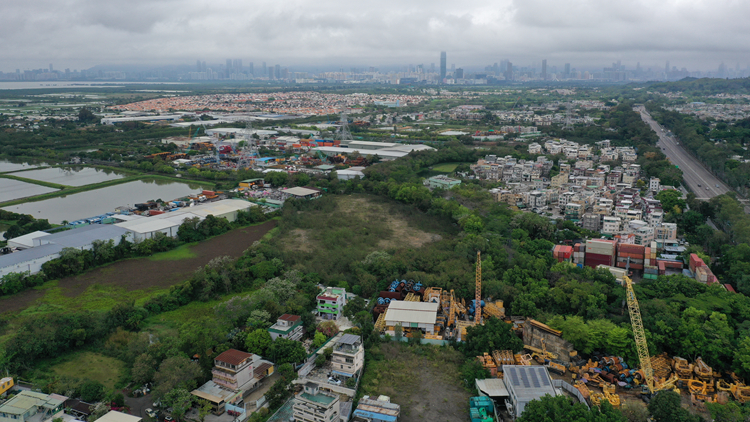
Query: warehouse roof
x,y
300,191
527,383
29,254
417,312
115,416
27,240
83,236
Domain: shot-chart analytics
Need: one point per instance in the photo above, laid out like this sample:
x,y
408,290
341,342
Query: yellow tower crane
x,y
640,336
478,292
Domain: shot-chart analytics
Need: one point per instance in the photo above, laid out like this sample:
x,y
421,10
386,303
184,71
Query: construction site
x,y
437,314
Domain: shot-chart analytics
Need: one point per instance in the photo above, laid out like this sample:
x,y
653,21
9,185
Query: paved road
x,y
701,181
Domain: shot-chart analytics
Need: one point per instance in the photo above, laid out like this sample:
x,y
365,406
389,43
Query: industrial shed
x,y
524,384
422,315
26,241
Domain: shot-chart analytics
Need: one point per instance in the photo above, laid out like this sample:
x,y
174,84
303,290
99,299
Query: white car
x,y
150,412
334,381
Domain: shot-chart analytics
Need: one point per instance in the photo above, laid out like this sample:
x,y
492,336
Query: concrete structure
x,y
288,327
313,406
115,416
592,222
29,406
524,384
370,409
533,333
331,303
443,182
411,315
26,241
348,356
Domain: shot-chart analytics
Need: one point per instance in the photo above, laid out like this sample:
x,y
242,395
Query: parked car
x,y
335,381
168,419
150,412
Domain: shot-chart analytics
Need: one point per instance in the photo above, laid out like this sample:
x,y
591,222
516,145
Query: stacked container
x,y
562,253
650,272
579,253
695,262
600,252
636,254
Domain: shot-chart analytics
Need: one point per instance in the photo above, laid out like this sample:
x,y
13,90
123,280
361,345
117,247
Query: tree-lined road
x,y
697,178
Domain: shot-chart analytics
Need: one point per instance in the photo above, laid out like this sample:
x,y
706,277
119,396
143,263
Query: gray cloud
x,y
83,33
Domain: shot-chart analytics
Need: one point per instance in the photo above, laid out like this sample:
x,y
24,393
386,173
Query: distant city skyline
x,y
80,34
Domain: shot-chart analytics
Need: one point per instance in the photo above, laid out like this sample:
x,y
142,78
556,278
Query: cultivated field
x,y
425,381
131,279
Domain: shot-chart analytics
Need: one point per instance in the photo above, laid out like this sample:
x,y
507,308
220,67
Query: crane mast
x,y
478,292
639,334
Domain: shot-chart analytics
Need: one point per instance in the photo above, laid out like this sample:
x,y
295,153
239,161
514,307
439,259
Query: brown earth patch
x,y
143,273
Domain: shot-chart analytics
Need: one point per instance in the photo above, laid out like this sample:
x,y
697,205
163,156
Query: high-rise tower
x,y
544,69
443,66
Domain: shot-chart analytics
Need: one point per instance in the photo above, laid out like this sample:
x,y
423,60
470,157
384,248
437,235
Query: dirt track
x,y
142,273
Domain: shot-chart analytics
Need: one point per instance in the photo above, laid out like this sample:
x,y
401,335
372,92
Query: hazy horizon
x,y
80,34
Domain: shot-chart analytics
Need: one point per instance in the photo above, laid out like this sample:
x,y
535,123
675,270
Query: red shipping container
x,y
155,212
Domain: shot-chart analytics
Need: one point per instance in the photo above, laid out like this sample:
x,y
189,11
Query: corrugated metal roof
x,y
27,240
348,339
492,387
417,312
115,416
84,236
29,254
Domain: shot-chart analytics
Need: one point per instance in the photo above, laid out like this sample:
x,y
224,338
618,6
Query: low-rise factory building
x,y
411,315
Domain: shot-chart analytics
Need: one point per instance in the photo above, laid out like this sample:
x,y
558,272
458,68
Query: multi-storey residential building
x,y
348,356
559,180
654,184
331,303
536,199
535,148
592,222
233,369
288,327
644,235
313,406
665,233
655,218
573,211
610,225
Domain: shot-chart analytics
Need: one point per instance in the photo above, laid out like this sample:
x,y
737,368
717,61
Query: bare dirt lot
x,y
424,380
143,273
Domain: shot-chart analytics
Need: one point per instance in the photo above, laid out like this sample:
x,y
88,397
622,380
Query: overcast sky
x,y
698,34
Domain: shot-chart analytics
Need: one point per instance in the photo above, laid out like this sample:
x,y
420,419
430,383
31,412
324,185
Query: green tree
x,y
562,408
91,391
179,400
354,306
177,372
319,339
665,407
495,334
284,351
258,342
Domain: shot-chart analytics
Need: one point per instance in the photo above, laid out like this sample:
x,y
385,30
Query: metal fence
x,y
570,389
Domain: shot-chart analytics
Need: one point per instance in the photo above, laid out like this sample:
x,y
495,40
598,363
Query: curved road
x,y
697,178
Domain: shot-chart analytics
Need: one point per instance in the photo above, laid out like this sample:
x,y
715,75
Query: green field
x,y
181,252
91,366
446,167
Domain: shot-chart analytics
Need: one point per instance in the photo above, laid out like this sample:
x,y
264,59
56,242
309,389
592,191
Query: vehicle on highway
x,y
699,185
707,188
717,185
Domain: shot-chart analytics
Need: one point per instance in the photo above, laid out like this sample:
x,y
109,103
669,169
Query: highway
x,y
697,178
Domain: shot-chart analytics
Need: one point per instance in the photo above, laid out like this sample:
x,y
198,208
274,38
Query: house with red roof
x,y
288,327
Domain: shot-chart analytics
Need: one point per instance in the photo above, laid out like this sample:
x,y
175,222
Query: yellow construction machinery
x,y
411,297
581,386
682,368
610,395
640,337
522,359
495,310
702,371
432,294
503,357
380,323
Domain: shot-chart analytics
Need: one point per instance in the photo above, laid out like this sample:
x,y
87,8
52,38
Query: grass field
x,y
342,229
91,366
424,380
182,252
446,167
